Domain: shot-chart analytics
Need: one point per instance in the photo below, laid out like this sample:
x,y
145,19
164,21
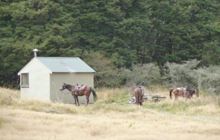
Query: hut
x,y
42,77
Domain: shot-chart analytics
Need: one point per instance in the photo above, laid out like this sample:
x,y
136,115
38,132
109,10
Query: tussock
x,y
116,100
111,117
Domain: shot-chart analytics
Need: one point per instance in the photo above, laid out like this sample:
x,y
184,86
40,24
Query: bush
x,y
189,74
209,79
149,73
186,74
107,75
182,74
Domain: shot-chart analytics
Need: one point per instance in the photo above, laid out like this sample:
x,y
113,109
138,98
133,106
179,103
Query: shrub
x,y
149,73
107,75
189,74
209,79
182,74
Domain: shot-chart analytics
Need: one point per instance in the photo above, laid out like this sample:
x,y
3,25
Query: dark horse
x,y
183,92
79,91
138,93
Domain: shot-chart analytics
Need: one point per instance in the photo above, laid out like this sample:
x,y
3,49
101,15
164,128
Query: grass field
x,y
111,117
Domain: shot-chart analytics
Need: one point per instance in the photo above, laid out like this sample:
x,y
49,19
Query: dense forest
x,y
113,36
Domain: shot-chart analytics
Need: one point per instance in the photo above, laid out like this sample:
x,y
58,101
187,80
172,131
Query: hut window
x,y
24,80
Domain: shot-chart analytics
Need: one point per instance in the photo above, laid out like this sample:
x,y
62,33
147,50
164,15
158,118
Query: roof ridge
x,y
55,57
65,64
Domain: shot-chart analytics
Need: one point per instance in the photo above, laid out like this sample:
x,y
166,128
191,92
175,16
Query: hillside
x,y
111,117
122,33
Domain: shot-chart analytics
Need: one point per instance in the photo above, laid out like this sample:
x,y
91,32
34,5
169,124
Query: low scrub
x,y
147,73
190,74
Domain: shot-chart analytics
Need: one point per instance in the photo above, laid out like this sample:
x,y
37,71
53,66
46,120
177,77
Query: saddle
x,y
80,88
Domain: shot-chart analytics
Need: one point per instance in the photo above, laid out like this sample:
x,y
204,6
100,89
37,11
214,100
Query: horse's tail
x,y
94,94
171,90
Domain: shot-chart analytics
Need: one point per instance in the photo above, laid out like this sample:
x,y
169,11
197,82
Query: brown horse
x,y
79,91
138,93
183,92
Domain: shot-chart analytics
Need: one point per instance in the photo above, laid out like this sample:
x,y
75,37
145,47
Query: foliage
x,y
191,75
147,73
183,74
209,79
127,33
107,75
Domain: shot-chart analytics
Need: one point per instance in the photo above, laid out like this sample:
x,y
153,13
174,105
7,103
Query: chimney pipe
x,y
35,52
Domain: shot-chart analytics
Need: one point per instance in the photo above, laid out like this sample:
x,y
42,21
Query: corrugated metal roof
x,y
65,64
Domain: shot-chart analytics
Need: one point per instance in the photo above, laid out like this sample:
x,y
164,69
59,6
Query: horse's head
x,y
64,86
194,92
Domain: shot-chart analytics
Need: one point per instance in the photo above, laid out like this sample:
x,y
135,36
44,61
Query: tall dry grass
x,y
111,117
108,100
138,125
116,99
207,104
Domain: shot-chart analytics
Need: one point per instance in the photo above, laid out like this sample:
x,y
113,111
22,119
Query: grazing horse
x,y
79,91
183,92
139,95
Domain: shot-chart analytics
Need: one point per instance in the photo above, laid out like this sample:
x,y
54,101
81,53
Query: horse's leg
x,y
74,96
87,99
176,97
140,99
77,99
87,96
188,97
141,103
137,99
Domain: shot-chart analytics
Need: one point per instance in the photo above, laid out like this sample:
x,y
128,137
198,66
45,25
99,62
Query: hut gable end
x,y
29,66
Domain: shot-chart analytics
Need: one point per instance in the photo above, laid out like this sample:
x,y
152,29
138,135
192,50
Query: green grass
x,y
196,106
168,107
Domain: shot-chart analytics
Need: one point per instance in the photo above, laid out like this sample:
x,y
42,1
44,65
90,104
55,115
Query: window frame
x,y
24,83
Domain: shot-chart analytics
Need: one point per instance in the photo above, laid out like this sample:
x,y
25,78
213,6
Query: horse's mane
x,y
69,87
